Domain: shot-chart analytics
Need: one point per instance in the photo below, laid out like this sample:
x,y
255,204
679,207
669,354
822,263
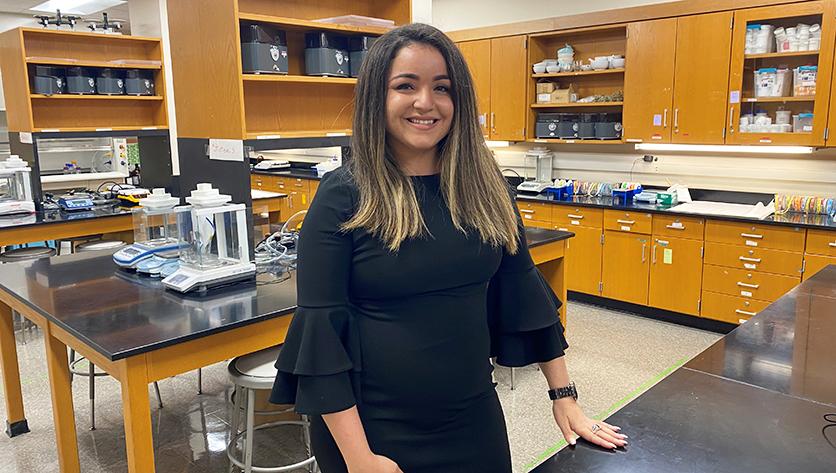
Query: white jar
x,y
783,117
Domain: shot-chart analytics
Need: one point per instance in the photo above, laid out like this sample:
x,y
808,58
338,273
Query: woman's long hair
x,y
472,185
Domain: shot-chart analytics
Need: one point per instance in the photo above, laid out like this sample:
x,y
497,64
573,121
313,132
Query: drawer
x,y
633,222
755,235
256,182
535,211
815,263
821,242
581,216
754,259
731,309
676,226
742,283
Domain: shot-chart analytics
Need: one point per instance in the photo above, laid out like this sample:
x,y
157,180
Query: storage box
x,y
546,87
804,80
558,96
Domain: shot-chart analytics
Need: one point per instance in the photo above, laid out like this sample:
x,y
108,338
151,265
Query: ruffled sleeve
x,y
320,357
522,312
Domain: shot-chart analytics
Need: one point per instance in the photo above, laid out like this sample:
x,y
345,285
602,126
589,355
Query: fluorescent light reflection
x,y
724,148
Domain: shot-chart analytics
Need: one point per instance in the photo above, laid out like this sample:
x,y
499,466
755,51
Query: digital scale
x,y
272,164
187,279
15,187
543,159
155,233
73,204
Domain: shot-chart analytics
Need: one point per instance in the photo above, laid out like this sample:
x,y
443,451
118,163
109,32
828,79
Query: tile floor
x,y
613,357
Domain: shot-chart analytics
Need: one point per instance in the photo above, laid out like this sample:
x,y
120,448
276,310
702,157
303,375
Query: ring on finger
x,y
595,428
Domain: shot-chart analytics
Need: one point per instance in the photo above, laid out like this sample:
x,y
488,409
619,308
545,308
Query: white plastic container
x,y
802,123
804,81
783,117
772,82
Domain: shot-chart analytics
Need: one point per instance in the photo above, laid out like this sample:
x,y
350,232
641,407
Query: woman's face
x,y
419,105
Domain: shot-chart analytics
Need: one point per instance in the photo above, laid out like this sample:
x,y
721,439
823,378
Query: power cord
x,y
272,255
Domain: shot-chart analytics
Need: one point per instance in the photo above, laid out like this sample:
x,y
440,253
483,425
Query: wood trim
x,y
12,301
91,35
83,348
10,368
194,354
55,231
607,17
15,81
549,252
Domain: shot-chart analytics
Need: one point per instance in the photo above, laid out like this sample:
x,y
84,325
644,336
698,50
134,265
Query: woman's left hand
x,y
571,419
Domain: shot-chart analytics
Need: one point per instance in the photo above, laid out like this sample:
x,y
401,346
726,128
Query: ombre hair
x,y
471,183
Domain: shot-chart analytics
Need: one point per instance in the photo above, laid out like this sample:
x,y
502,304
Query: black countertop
x,y
755,401
121,314
60,216
301,173
789,219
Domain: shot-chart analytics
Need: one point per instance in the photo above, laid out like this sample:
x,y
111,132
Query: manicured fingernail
x,y
624,436
571,442
616,428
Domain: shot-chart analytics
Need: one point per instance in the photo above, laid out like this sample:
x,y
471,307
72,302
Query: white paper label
x,y
657,120
226,150
745,293
340,133
751,243
570,141
268,137
104,129
807,128
149,128
25,137
741,321
677,225
667,256
734,96
50,130
749,266
527,216
483,119
544,98
765,140
575,222
625,228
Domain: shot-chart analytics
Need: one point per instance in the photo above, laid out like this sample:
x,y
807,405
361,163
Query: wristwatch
x,y
567,391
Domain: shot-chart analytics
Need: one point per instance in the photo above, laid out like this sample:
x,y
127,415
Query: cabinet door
x,y
676,274
626,262
509,72
815,263
478,57
648,80
743,66
583,260
701,79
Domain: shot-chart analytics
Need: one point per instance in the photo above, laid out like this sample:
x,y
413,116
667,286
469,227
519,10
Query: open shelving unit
x,y
587,43
24,48
265,106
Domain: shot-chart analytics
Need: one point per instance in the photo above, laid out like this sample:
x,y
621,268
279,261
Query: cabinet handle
x,y
644,250
832,244
665,118
626,222
662,242
751,235
751,260
745,312
743,284
731,119
653,254
674,227
576,217
676,120
526,211
493,121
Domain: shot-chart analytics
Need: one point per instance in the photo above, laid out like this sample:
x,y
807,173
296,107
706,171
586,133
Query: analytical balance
x,y
155,229
543,159
214,244
15,187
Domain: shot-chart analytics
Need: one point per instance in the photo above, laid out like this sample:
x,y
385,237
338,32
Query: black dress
x,y
407,336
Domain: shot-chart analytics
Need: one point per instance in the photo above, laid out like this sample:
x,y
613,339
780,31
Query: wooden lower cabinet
x,y
583,260
815,263
754,259
675,274
731,309
626,262
743,283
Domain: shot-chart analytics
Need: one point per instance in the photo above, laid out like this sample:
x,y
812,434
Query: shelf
x,y
94,129
87,63
90,34
578,73
575,141
577,105
779,55
307,25
268,135
87,176
298,79
808,98
96,97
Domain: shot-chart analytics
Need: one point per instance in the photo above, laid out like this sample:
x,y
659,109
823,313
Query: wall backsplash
x,y
811,174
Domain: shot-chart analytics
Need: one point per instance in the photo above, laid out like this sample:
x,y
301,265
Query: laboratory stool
x,y
251,373
23,254
97,245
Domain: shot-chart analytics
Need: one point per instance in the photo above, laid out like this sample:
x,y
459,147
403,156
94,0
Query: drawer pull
x,y
626,222
675,227
753,286
832,244
644,249
751,235
526,211
576,217
751,260
745,312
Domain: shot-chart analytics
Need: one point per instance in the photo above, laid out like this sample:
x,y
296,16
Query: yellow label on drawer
x,y
667,256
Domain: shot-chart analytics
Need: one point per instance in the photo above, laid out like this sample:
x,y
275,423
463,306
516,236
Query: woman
x,y
413,270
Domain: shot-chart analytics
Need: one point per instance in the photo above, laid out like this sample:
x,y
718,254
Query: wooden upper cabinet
x,y
742,98
700,94
509,72
648,81
478,57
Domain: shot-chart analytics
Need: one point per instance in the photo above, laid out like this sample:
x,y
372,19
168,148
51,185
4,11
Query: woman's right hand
x,y
375,464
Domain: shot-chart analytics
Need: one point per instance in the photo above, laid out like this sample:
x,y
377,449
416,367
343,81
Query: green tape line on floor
x,y
610,411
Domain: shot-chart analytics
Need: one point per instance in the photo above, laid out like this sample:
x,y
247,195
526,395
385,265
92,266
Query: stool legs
x,y
91,372
200,380
248,452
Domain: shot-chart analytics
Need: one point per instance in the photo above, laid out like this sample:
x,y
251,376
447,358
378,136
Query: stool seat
x,y
100,245
255,370
21,254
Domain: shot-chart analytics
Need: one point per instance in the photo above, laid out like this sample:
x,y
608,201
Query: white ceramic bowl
x,y
600,63
617,63
539,68
552,68
550,62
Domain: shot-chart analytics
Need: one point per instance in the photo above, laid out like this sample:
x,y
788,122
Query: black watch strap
x,y
567,391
